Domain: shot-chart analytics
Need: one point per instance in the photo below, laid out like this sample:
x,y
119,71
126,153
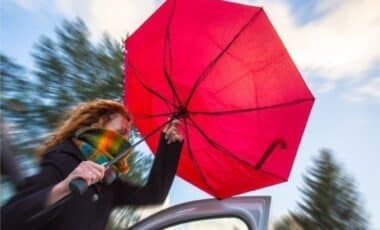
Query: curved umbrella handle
x,y
278,142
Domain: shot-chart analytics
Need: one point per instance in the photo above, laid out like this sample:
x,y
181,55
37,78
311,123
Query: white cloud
x,y
366,91
33,6
325,86
326,6
341,43
115,17
25,4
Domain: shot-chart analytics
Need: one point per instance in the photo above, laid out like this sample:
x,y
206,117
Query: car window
x,y
227,223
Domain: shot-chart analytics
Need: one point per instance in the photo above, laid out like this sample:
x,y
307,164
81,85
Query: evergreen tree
x,y
15,101
68,70
330,198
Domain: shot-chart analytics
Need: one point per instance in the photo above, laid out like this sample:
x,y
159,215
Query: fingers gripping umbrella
x,y
222,69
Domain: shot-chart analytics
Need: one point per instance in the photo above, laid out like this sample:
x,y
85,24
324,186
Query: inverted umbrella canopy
x,y
222,69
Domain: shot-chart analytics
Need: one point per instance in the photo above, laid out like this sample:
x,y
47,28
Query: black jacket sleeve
x,y
159,181
33,195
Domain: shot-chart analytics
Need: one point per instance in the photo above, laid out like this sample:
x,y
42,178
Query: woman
x,y
64,160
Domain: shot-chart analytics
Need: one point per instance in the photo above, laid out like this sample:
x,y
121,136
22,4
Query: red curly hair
x,y
83,115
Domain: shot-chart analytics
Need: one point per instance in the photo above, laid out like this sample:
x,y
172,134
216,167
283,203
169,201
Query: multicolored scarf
x,y
102,145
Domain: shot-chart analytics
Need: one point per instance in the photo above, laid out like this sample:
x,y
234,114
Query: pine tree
x,y
15,101
330,198
68,70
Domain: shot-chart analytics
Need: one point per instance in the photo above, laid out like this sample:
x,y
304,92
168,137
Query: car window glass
x,y
228,223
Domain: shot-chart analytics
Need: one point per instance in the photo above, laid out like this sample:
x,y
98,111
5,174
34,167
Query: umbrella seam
x,y
167,49
204,74
192,157
147,88
217,113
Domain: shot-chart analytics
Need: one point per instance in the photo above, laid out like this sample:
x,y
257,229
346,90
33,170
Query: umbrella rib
x,y
231,155
154,115
191,154
167,50
242,62
204,74
226,112
142,139
216,145
240,77
148,88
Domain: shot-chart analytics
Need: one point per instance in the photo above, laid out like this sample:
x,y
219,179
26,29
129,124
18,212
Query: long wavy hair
x,y
84,115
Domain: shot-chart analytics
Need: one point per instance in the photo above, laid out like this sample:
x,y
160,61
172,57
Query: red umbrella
x,y
223,70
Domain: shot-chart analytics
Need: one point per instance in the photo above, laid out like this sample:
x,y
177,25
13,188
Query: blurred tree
x,y
15,102
141,161
122,218
330,199
286,223
67,70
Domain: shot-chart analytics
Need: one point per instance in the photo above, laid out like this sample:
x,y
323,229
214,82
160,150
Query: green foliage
x,y
15,100
286,223
68,70
122,218
143,163
330,198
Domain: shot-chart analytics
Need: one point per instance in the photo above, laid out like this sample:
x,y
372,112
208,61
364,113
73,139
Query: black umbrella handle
x,y
78,186
121,155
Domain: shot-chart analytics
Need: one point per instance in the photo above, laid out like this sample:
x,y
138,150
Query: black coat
x,y
82,212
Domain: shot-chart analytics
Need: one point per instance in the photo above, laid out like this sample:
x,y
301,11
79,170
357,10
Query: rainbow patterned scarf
x,y
102,145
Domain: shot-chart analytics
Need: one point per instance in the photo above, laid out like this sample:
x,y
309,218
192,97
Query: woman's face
x,y
118,124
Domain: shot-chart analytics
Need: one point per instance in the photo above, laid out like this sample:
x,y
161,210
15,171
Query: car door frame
x,y
252,210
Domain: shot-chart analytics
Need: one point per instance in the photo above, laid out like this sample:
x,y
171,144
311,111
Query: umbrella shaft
x,y
121,155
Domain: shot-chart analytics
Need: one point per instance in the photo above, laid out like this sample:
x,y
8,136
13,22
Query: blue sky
x,y
333,42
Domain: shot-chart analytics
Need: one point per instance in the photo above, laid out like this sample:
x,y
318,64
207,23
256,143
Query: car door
x,y
248,212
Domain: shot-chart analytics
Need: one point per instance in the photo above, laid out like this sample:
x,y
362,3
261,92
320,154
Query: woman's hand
x,y
172,132
87,170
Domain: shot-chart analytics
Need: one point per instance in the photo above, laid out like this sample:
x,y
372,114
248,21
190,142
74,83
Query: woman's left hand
x,y
172,132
